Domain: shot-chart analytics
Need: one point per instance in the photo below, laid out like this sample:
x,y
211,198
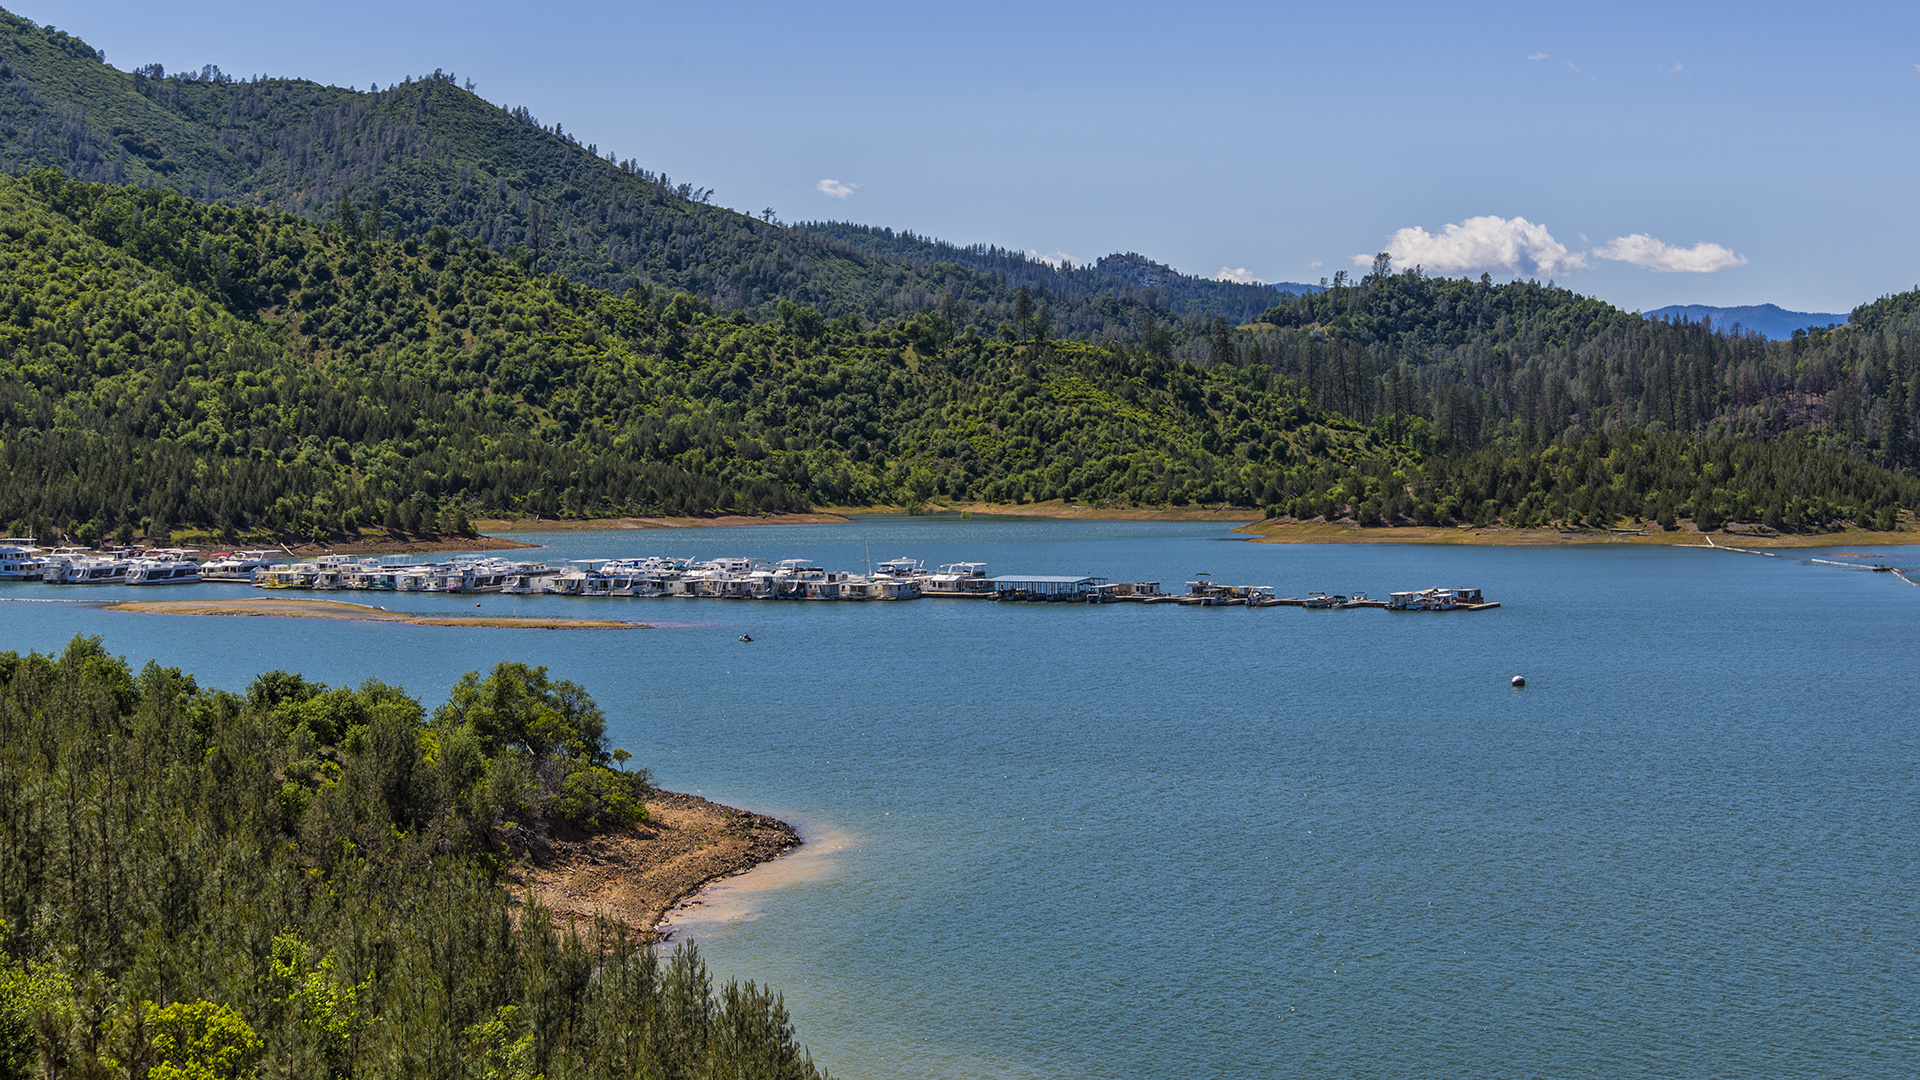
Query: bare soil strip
x,y
636,875
1342,532
286,607
499,525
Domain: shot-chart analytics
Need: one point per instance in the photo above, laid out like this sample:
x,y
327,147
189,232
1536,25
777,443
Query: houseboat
x,y
1135,592
94,570
966,580
1204,593
235,566
165,568
1440,600
20,560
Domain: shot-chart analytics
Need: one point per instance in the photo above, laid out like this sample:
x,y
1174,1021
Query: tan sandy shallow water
x,y
289,608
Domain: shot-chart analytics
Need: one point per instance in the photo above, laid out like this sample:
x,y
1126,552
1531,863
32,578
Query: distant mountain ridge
x,y
1770,320
428,153
1153,283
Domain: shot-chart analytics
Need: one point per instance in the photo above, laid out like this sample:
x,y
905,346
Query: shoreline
x,y
499,525
844,515
381,545
1287,531
638,875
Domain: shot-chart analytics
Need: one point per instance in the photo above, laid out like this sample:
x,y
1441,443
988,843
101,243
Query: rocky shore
x,y
635,876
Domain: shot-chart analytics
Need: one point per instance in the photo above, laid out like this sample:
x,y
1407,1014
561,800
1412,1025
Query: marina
x,y
1127,765
660,577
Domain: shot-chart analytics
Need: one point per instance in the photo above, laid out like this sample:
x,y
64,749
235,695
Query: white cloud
x,y
1238,275
1316,264
1055,260
1538,56
1512,246
1675,69
1644,251
834,189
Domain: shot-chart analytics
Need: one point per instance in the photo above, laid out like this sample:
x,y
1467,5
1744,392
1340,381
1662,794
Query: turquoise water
x,y
1125,841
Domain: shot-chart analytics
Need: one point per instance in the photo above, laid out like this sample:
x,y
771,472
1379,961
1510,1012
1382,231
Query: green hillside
x,y
1515,365
167,363
427,152
1524,364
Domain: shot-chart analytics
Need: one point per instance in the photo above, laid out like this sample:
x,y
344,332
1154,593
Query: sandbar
x,y
288,608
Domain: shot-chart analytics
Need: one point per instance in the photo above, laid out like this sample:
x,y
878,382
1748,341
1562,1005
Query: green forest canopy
x,y
166,363
427,152
306,882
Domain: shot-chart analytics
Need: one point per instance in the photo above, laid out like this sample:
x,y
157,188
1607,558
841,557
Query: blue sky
x,y
1644,153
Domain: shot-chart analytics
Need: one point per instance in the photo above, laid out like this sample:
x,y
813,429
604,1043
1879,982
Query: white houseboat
x,y
20,560
967,580
95,570
235,566
164,568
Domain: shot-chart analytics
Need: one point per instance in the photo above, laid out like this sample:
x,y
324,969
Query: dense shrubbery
x,y
302,881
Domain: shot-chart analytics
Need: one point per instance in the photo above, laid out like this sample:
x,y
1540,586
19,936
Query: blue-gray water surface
x,y
1152,841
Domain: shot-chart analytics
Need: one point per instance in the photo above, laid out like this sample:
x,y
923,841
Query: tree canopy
x,y
306,881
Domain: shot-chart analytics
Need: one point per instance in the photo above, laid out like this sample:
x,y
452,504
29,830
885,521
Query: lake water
x,y
1057,841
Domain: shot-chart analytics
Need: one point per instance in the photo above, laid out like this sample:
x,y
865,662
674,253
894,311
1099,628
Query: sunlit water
x,y
1127,841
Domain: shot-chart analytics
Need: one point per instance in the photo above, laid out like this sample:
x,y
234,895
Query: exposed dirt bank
x,y
837,515
494,525
1059,509
287,608
1287,531
396,546
635,876
365,544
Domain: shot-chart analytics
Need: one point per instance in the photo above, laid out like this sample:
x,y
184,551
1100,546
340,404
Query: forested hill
x,y
169,362
428,152
1153,283
166,363
1528,363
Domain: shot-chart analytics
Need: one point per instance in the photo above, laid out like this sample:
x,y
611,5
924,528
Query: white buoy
x,y
1519,681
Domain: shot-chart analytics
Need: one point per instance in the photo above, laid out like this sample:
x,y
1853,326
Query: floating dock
x,y
728,578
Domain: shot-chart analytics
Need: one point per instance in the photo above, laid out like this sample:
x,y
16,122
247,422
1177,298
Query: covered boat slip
x,y
1044,587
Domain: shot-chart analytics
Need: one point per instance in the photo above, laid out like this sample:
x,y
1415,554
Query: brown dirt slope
x,y
635,876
